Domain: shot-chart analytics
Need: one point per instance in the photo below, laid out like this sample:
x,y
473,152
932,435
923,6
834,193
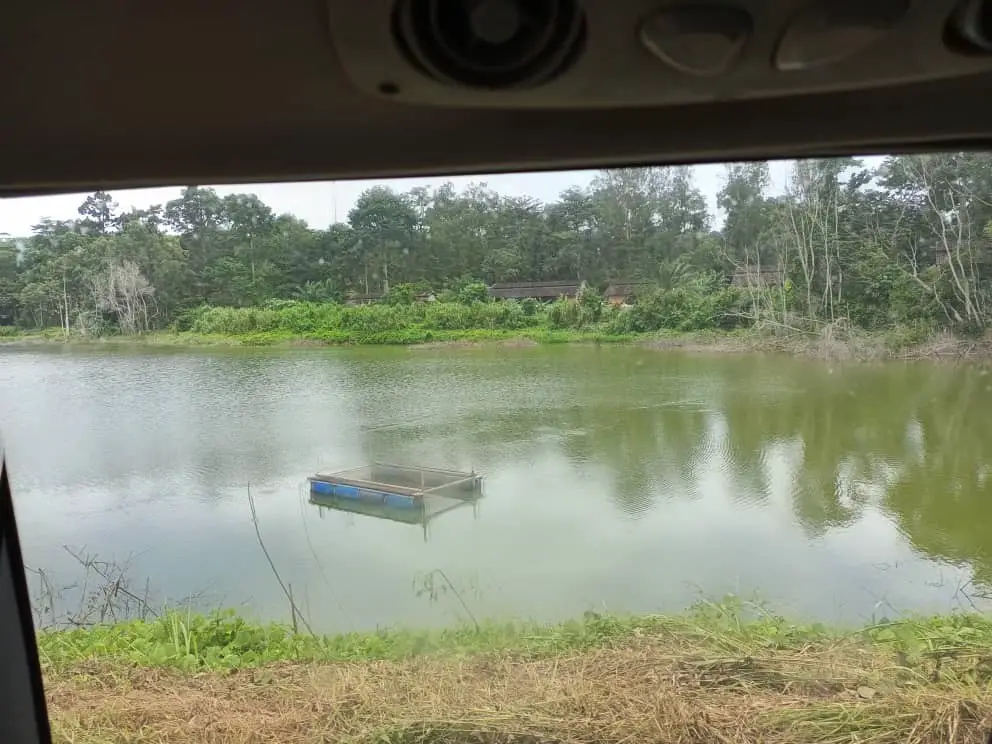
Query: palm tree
x,y
313,292
672,274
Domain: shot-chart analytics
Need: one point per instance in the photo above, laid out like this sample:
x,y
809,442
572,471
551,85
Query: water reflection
x,y
419,511
615,475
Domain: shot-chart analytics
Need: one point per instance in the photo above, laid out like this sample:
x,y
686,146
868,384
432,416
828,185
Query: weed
x,y
730,672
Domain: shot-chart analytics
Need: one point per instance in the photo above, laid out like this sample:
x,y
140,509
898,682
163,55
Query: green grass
x,y
413,336
728,672
226,640
451,324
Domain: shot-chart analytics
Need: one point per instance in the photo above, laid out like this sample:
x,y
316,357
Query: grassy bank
x,y
696,322
283,339
720,673
861,346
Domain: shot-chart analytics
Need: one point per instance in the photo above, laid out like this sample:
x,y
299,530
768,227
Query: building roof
x,y
538,290
752,275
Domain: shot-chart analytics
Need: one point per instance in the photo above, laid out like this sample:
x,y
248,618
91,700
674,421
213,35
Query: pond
x,y
616,479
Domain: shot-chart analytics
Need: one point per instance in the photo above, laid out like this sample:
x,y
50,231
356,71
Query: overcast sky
x,y
320,202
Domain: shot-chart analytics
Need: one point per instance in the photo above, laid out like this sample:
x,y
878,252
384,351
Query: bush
x,y
279,304
685,310
447,316
590,304
307,317
234,320
563,314
473,292
506,315
908,336
186,319
370,319
405,294
618,321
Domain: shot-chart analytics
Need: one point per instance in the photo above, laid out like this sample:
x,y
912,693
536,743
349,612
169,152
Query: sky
x,y
323,202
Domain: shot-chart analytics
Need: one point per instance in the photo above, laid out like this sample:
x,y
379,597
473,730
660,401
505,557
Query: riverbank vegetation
x,y
902,250
722,672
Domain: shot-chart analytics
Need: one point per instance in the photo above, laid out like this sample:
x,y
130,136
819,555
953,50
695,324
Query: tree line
x,y
906,242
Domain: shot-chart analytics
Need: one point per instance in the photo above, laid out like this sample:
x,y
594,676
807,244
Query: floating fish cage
x,y
396,486
410,513
396,493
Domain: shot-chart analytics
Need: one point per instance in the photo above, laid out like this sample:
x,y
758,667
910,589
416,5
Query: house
x,y
620,293
981,256
537,290
752,276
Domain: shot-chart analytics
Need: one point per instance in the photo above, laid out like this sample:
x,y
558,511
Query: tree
x,y
10,280
123,291
196,217
747,213
99,213
909,242
384,222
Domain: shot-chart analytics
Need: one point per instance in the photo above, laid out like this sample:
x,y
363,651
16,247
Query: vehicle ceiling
x,y
112,93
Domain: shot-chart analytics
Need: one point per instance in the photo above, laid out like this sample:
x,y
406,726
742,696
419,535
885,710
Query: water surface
x,y
616,478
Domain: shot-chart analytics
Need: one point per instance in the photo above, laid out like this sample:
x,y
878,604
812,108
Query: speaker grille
x,y
490,44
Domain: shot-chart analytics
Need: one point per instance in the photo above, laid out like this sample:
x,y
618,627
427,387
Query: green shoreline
x,y
225,639
719,672
894,344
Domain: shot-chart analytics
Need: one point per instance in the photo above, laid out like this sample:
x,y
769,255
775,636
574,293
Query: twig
x,y
320,566
108,599
292,609
458,596
117,581
272,565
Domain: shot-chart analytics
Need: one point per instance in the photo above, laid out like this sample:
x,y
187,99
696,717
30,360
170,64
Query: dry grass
x,y
660,689
945,345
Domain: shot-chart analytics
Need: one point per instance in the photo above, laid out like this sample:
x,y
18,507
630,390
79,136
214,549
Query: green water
x,y
616,478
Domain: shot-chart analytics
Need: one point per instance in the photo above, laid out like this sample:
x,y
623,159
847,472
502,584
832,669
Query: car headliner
x,y
110,93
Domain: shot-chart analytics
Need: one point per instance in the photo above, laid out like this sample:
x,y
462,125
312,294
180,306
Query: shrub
x,y
506,315
448,316
618,321
369,319
685,310
235,320
563,314
279,304
307,317
473,292
405,294
590,304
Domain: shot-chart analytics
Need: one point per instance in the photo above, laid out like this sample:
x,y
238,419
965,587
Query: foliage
x,y
685,309
473,292
405,294
906,243
529,306
224,640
